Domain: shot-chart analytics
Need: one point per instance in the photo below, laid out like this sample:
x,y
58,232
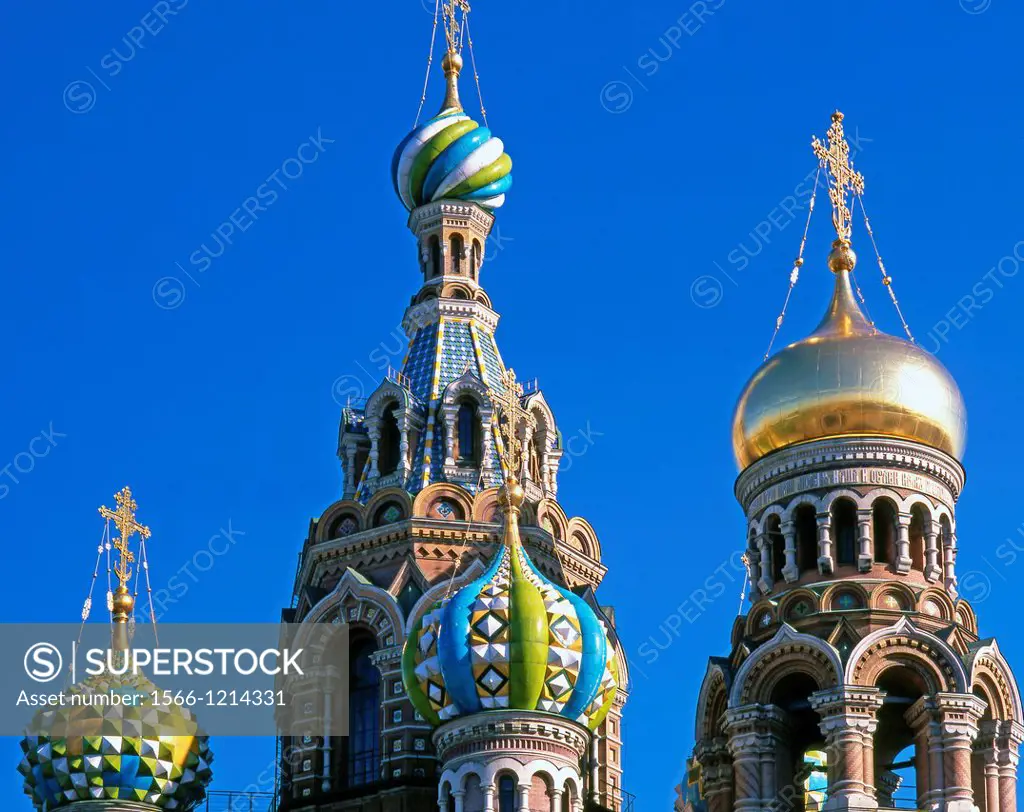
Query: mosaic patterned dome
x,y
848,379
451,157
149,754
511,639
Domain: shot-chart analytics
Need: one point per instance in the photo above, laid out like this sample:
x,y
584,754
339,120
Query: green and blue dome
x,y
451,157
511,639
145,753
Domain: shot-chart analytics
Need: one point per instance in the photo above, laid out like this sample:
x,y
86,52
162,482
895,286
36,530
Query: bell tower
x,y
858,679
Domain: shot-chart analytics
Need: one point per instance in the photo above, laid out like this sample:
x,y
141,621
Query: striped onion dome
x,y
511,639
451,157
149,754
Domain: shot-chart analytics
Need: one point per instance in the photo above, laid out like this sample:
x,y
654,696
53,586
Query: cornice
x,y
424,314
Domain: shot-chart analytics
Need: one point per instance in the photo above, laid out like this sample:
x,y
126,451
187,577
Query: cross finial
x,y
124,520
835,160
452,23
510,414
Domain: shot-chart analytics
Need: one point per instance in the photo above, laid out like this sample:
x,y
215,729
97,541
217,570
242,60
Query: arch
x,y
581,530
456,290
989,670
936,603
805,518
468,438
447,491
383,396
389,442
776,546
335,514
476,257
457,247
965,616
788,652
905,645
712,701
434,250
884,530
398,496
376,608
799,603
902,597
483,298
920,525
486,507
830,598
843,513
550,509
467,386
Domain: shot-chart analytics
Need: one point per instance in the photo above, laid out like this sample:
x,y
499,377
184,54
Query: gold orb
x,y
847,379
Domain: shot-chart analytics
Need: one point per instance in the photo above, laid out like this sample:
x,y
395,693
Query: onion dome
x,y
511,639
847,379
451,157
145,753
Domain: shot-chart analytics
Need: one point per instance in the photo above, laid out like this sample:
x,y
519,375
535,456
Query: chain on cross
x,y
835,160
510,415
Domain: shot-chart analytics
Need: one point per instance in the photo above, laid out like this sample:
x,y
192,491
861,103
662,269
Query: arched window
x,y
896,756
919,521
844,531
467,438
778,547
456,246
390,437
507,794
475,258
883,528
807,537
435,256
364,702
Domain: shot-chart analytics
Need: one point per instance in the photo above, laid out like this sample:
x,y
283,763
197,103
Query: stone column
x,y
404,458
758,739
450,411
753,561
932,570
765,582
556,800
460,800
373,431
848,722
985,767
486,438
886,784
488,790
792,570
350,472
1011,734
716,773
825,560
923,719
524,797
958,716
595,774
949,565
865,554
903,560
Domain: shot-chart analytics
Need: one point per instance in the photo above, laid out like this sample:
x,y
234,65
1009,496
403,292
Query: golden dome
x,y
848,379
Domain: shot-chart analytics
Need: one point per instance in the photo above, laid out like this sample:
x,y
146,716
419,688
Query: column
x,y
373,430
524,797
487,437
825,561
404,461
753,562
716,773
460,800
758,735
865,555
985,767
556,800
450,411
958,716
765,582
848,722
932,570
488,790
903,542
350,471
595,775
886,784
949,565
792,570
1011,735
923,719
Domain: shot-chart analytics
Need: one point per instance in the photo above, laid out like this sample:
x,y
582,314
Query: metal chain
x,y
476,76
430,62
886,279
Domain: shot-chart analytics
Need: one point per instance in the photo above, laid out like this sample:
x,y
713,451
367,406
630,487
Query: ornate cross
x,y
124,520
510,414
451,24
835,160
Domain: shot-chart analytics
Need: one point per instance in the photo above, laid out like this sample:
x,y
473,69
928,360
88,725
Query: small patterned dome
x,y
149,754
451,157
511,639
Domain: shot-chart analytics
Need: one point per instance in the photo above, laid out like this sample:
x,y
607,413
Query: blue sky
x,y
644,255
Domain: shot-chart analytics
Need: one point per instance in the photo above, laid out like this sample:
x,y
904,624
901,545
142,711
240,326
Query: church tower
x,y
450,709
857,679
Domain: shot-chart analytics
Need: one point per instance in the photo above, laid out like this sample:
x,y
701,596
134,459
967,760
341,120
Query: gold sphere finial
x,y
452,63
842,257
123,602
837,116
513,494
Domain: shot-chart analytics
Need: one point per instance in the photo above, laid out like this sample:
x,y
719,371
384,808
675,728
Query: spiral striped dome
x,y
511,639
149,754
451,157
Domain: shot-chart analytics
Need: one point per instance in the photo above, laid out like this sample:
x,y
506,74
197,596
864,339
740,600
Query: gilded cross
x,y
124,520
451,24
835,160
510,414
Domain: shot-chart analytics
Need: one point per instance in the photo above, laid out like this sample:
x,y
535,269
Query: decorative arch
x,y
789,512
791,607
467,385
400,496
550,509
831,595
902,595
384,394
936,603
965,616
486,507
788,652
772,510
830,498
712,701
989,670
442,491
335,514
483,298
376,609
579,528
904,644
523,771
761,615
456,290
